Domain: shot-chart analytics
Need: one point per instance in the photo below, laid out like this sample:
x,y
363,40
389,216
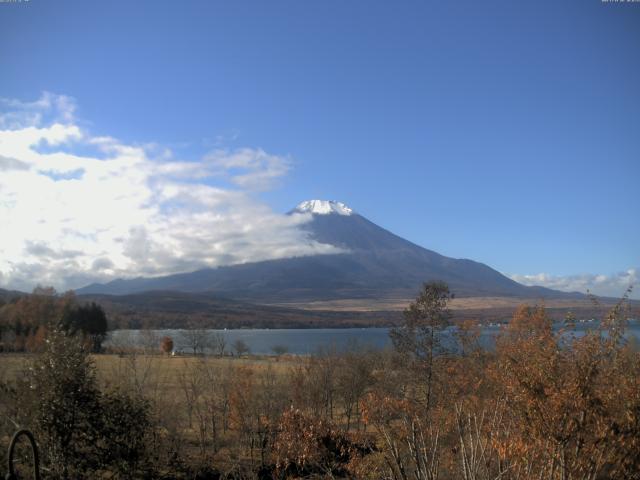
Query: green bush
x,y
81,431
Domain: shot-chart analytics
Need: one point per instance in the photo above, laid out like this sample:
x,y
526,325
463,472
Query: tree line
x,y
26,320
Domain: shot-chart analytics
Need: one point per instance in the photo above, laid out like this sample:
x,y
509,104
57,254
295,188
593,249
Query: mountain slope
x,y
9,295
171,309
377,263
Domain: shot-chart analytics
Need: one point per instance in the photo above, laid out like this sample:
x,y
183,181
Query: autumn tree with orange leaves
x,y
573,401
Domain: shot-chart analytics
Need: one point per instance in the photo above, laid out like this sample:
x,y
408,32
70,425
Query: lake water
x,y
308,341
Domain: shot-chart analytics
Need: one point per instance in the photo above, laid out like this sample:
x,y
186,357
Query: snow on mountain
x,y
323,207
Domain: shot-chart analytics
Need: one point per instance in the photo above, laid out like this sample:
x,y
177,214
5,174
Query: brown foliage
x,y
572,401
545,403
166,345
306,445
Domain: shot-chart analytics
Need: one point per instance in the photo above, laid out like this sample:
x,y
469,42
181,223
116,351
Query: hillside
x,y
161,309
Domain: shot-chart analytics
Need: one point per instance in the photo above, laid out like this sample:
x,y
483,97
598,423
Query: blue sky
x,y
506,132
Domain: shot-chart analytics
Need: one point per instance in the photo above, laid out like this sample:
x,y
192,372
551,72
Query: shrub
x,y
80,430
124,427
166,345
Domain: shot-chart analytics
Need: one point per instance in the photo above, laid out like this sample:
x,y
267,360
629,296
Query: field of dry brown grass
x,y
466,303
163,367
480,309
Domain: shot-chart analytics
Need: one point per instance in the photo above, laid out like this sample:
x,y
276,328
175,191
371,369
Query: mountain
x,y
375,263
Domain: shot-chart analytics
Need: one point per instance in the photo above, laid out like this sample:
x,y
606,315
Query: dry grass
x,y
161,368
465,303
12,364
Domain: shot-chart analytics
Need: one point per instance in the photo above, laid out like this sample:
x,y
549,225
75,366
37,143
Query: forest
x,y
544,404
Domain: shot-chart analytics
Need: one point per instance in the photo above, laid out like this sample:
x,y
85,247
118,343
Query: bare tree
x,y
195,339
279,350
149,340
477,434
241,347
411,447
353,377
419,336
121,342
218,344
320,371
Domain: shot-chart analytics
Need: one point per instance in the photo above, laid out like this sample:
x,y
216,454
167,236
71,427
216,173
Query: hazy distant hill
x,y
8,295
160,309
377,264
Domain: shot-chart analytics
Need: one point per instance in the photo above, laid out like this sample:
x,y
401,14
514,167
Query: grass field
x,y
166,368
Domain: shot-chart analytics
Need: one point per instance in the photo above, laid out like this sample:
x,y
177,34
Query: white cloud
x,y
67,219
50,108
249,168
613,285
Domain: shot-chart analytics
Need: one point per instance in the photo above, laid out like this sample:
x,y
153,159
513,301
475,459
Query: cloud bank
x,y
613,285
77,208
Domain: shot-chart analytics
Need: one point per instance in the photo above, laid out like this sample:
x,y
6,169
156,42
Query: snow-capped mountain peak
x,y
323,207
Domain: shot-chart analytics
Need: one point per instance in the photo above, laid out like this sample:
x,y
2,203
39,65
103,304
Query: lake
x,y
309,341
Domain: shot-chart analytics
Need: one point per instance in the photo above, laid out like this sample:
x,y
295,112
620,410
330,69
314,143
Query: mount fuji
x,y
375,263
